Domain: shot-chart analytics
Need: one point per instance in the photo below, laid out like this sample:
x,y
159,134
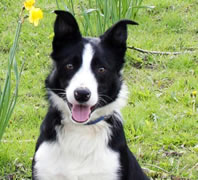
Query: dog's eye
x,y
101,70
69,67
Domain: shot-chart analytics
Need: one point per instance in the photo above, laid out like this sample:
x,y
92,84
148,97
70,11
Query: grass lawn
x,y
161,126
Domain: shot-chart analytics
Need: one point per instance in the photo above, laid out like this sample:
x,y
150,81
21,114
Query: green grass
x,y
161,127
95,16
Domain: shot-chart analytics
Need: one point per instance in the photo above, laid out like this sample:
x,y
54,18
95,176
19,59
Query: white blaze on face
x,y
85,78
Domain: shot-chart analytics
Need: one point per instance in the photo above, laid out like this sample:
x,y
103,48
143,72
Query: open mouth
x,y
81,113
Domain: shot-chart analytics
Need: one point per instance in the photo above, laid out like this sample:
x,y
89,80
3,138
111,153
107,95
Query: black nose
x,y
82,94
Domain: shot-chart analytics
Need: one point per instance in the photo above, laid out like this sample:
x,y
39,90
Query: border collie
x,y
82,137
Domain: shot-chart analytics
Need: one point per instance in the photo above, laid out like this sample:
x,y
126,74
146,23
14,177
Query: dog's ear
x,y
117,35
65,29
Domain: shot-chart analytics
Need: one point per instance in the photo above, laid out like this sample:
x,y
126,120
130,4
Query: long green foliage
x,y
9,94
96,16
105,13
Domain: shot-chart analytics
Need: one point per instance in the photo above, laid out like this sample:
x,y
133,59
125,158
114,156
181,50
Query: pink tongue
x,y
80,113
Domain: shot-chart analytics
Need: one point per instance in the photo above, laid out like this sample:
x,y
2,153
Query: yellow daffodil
x,y
35,15
194,93
29,4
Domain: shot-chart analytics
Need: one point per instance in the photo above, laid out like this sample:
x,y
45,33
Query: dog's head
x,y
86,80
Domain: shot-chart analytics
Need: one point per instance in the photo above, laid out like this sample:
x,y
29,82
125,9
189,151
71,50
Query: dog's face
x,y
86,76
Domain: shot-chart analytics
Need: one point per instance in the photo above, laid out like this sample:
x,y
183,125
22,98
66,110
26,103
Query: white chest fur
x,y
79,153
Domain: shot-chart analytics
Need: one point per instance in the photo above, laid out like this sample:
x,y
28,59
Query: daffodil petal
x,y
29,4
36,23
35,15
30,19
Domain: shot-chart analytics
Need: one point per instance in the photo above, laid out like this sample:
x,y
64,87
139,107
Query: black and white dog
x,y
82,135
